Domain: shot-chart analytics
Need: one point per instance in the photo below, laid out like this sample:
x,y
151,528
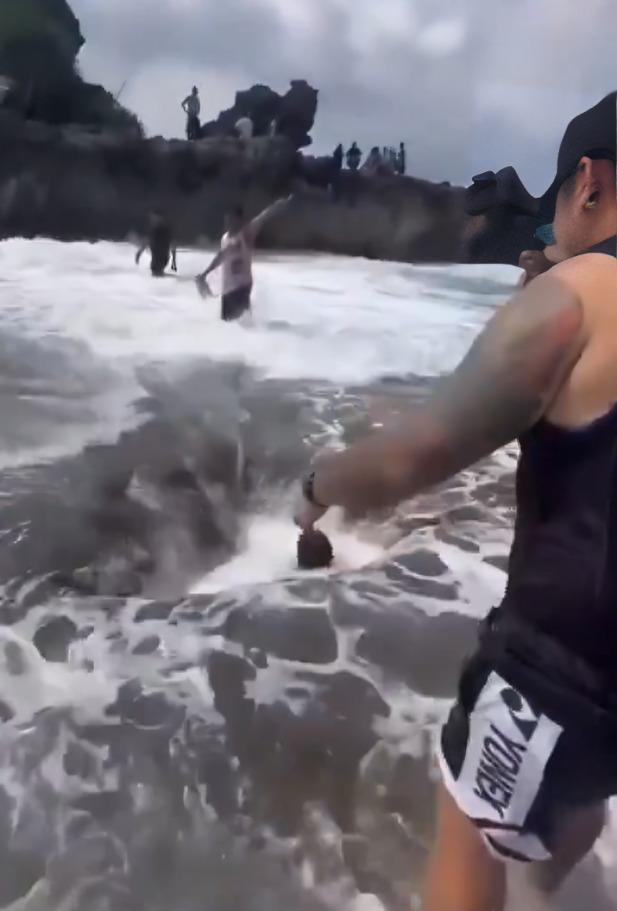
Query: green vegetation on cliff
x,y
39,44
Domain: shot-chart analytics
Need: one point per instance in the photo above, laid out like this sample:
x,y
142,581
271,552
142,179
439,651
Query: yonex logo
x,y
502,754
522,714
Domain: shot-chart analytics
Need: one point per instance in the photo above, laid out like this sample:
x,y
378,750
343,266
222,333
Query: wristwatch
x,y
308,491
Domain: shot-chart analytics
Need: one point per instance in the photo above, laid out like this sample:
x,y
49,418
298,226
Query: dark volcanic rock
x,y
293,113
54,637
39,45
295,756
90,532
75,185
296,634
407,644
427,652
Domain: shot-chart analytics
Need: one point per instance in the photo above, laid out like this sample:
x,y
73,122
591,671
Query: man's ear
x,y
589,182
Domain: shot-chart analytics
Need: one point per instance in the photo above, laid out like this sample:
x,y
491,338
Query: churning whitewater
x,y
188,721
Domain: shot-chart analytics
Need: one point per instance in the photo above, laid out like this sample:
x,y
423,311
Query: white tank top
x,y
237,271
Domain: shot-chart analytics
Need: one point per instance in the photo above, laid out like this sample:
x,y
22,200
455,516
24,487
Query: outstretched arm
x,y
508,379
256,224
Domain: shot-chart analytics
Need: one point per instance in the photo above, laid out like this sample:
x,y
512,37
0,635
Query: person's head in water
x,y
235,220
314,550
585,187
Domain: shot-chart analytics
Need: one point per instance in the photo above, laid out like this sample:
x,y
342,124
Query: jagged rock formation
x,y
39,44
294,113
501,218
75,185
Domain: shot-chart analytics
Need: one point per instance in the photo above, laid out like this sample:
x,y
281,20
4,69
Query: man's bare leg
x,y
533,886
461,875
578,830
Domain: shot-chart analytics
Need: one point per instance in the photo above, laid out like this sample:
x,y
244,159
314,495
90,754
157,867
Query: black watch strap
x,y
308,490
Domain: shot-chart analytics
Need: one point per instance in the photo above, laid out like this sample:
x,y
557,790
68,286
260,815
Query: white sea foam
x,y
318,318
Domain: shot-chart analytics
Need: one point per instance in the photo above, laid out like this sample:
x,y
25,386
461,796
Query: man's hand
x,y
202,285
533,263
310,508
506,382
307,514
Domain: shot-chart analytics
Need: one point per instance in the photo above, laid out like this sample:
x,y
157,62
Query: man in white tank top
x,y
236,257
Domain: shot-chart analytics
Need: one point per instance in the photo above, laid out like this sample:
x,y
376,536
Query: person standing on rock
x,y
236,258
192,108
353,156
161,246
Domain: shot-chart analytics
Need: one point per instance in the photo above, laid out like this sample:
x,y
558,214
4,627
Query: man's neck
x,y
604,228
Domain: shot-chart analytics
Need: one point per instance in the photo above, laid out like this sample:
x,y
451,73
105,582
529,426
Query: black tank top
x,y
563,562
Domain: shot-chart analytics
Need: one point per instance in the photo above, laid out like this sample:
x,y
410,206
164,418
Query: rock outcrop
x,y
72,184
501,218
292,113
39,44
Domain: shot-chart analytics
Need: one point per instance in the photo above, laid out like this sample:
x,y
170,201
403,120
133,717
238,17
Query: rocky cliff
x,y
72,184
39,44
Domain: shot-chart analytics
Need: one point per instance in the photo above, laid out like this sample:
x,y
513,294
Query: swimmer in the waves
x,y
160,242
528,755
236,258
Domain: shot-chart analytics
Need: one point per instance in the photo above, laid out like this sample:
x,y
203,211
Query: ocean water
x,y
189,721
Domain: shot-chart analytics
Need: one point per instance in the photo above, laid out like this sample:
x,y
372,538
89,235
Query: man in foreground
x,y
160,243
236,258
528,755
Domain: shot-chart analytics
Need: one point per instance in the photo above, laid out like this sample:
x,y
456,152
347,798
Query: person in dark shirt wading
x,y
160,242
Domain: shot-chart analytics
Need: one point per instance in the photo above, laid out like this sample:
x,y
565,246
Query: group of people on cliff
x,y
384,161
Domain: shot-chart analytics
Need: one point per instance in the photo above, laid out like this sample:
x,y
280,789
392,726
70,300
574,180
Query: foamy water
x,y
96,325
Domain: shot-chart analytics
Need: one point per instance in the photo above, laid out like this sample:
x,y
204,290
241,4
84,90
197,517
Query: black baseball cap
x,y
592,134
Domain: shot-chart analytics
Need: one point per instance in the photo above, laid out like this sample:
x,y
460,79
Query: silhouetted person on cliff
x,y
334,187
354,156
374,162
192,108
160,242
401,159
236,257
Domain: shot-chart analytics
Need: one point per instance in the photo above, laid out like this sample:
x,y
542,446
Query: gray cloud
x,y
469,85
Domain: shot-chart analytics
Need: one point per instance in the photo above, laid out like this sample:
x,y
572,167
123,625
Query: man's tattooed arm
x,y
508,379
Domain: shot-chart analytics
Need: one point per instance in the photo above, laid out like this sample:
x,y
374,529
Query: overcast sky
x,y
470,85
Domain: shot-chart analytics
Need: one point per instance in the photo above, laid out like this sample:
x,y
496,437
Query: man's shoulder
x,y
592,279
585,269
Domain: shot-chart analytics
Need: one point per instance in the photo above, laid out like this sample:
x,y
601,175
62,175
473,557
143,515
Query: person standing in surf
x,y
236,258
160,242
528,754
